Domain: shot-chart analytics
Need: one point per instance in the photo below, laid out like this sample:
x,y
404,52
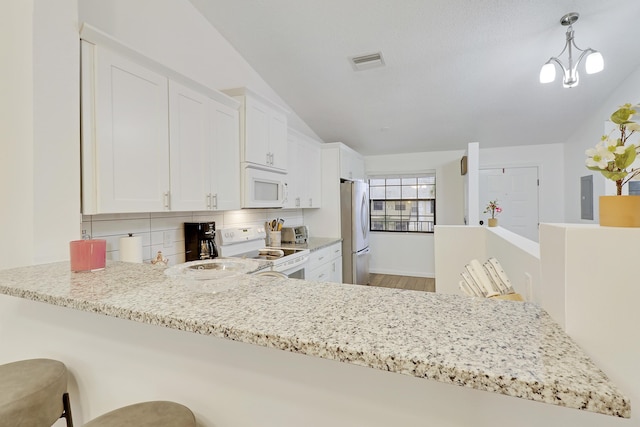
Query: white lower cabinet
x,y
325,265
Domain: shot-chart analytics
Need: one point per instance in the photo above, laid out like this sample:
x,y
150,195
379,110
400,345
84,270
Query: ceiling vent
x,y
366,62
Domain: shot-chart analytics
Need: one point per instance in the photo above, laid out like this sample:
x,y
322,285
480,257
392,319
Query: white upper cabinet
x,y
293,172
225,188
263,130
304,171
191,145
205,152
152,139
125,140
311,157
351,164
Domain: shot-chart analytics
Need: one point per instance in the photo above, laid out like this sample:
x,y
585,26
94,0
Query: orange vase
x,y
620,211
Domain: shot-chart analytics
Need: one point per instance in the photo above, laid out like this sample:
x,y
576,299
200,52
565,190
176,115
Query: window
x,y
405,203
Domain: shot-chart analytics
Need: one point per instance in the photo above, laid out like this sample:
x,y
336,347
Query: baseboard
x,y
404,273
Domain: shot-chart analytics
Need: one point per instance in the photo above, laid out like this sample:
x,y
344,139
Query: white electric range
x,y
249,243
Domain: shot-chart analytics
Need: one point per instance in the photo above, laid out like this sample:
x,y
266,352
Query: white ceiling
x,y
456,71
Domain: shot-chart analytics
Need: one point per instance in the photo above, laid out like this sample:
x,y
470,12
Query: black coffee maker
x,y
199,240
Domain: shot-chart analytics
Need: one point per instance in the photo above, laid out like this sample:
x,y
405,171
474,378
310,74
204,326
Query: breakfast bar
x,y
510,349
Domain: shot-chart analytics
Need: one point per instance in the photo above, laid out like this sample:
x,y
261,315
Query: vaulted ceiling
x,y
456,71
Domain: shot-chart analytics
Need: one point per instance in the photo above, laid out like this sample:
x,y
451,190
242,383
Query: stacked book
x,y
486,280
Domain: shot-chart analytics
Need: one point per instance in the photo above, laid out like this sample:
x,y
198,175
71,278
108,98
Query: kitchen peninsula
x,y
132,321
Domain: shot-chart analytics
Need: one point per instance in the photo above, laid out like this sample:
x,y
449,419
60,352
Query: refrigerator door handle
x,y
364,216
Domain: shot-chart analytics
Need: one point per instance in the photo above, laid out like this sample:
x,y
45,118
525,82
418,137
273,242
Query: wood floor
x,y
426,284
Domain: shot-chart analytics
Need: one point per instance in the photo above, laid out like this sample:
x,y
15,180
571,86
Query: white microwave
x,y
262,188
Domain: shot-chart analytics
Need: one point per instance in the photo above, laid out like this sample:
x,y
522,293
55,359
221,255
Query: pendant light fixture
x,y
570,78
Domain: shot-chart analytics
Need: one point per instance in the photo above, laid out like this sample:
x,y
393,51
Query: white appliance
x,y
354,219
248,242
263,188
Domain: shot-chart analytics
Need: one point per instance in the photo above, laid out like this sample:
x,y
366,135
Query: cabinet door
x,y
225,157
190,148
336,270
256,128
131,136
293,173
351,164
278,140
313,173
320,274
336,262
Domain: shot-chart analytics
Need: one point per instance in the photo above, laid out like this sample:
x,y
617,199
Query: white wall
x,y
594,295
56,129
406,253
390,252
164,231
549,159
40,169
175,34
455,246
16,122
588,136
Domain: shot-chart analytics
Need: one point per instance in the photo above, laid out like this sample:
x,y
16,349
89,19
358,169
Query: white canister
x,y
275,238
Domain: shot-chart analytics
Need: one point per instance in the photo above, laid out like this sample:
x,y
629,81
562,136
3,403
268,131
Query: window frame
x,y
403,224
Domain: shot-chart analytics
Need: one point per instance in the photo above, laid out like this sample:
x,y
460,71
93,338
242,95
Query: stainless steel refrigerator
x,y
354,218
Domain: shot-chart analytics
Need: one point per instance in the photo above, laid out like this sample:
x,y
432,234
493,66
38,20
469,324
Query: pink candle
x,y
88,255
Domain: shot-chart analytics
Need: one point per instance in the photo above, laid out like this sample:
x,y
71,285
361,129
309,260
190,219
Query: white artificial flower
x,y
600,156
613,147
633,126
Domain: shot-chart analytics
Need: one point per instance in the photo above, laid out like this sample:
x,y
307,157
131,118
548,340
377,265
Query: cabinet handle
x,y
310,202
208,200
322,275
297,202
321,258
215,201
167,200
268,158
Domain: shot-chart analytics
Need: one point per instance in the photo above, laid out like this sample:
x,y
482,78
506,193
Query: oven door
x,y
293,265
296,272
262,188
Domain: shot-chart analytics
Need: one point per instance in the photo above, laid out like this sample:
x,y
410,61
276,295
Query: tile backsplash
x,y
164,231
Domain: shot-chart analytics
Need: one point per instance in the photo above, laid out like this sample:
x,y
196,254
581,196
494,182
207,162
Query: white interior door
x,y
516,190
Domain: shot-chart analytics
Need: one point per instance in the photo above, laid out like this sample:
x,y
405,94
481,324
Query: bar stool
x,y
147,414
33,393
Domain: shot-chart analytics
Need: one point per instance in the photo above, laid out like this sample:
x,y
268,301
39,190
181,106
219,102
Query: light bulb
x,y
595,63
571,79
547,73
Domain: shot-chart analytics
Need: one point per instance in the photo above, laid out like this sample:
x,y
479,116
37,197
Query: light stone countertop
x,y
506,347
313,243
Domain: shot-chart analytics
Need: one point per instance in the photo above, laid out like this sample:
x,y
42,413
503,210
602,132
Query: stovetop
x,y
272,254
248,242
